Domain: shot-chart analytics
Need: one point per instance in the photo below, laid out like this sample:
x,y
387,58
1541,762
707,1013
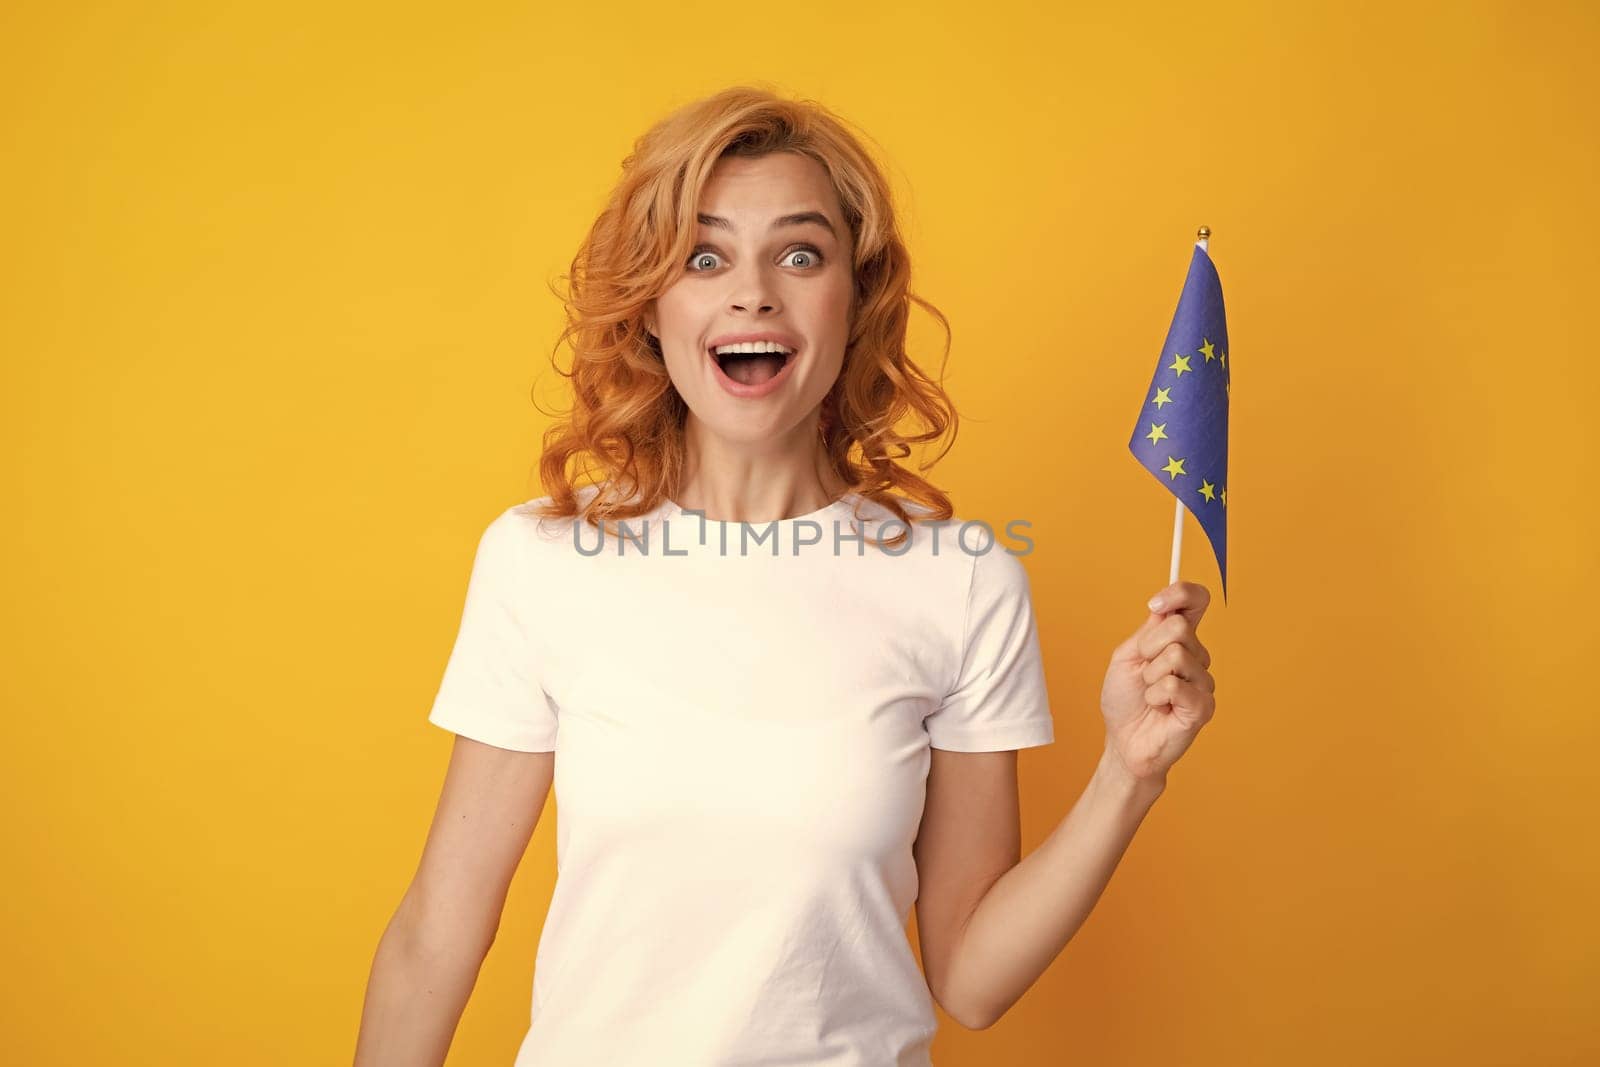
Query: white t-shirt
x,y
741,741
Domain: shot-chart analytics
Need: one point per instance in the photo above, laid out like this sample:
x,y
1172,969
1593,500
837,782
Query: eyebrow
x,y
797,219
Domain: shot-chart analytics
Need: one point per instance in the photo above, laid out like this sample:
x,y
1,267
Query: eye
x,y
813,256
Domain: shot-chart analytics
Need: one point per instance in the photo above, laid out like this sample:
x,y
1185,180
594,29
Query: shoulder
x,y
530,520
999,573
514,541
973,549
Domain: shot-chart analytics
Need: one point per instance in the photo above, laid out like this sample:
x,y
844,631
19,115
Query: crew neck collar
x,y
672,507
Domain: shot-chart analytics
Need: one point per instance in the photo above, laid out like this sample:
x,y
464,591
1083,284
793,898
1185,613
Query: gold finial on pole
x,y
1205,231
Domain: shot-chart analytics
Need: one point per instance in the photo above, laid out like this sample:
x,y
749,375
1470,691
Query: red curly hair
x,y
626,422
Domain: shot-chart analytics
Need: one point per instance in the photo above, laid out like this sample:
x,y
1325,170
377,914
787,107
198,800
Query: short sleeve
x,y
998,700
490,691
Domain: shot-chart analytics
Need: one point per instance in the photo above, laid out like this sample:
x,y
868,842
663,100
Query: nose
x,y
753,288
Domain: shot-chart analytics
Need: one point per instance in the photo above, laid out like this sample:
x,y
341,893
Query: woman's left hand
x,y
1158,692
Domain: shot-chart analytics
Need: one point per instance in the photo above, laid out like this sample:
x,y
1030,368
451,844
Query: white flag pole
x,y
1177,516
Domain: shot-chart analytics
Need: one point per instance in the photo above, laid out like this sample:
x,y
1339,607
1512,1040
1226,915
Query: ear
x,y
650,320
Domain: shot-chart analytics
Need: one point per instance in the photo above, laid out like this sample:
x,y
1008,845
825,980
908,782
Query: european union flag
x,y
1182,433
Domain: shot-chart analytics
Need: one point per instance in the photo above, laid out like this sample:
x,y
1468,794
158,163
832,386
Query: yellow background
x,y
273,312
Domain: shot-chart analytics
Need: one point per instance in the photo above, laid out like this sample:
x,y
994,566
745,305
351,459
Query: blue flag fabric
x,y
1182,434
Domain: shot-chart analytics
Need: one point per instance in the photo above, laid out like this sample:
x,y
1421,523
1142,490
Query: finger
x,y
1178,660
1132,648
1189,599
1182,698
1172,629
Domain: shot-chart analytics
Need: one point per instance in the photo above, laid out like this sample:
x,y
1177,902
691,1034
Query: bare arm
x,y
428,958
988,924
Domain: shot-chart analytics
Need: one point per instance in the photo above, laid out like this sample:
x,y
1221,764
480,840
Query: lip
x,y
753,392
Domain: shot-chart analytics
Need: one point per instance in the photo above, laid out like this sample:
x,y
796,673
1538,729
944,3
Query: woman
x,y
763,755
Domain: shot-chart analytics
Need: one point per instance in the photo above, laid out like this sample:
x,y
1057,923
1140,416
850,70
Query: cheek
x,y
680,322
829,306
675,309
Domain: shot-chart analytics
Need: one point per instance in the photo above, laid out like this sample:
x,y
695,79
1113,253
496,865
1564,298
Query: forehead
x,y
745,189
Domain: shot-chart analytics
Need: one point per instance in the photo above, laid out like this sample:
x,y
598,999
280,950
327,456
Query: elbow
x,y
977,1020
432,934
969,1016
452,941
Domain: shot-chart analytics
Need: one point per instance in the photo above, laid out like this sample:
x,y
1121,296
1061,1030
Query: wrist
x,y
1117,778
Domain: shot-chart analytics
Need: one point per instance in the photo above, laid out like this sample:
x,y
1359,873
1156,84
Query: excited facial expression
x,y
771,267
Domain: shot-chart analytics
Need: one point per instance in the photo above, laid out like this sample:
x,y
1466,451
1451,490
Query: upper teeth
x,y
752,346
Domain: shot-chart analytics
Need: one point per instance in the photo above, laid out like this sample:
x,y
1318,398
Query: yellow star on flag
x,y
1174,467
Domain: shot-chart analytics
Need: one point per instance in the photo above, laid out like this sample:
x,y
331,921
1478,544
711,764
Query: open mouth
x,y
752,368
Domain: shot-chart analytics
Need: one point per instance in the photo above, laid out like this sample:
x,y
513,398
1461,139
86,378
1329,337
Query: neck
x,y
757,481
